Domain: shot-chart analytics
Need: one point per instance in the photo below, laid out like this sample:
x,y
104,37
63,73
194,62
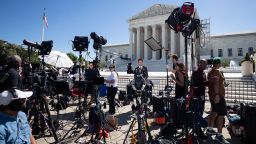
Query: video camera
x,y
98,40
44,49
129,68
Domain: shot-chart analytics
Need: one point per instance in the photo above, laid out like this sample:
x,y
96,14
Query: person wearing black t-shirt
x,y
90,76
198,85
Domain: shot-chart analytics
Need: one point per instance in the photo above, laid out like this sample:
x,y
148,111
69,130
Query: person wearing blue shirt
x,y
14,126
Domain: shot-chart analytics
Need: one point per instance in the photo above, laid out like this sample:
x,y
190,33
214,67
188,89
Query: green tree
x,y
225,62
8,49
72,57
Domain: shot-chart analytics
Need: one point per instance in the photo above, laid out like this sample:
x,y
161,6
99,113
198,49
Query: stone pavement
x,y
117,136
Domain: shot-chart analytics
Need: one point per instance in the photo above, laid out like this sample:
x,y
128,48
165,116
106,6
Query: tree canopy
x,y
8,49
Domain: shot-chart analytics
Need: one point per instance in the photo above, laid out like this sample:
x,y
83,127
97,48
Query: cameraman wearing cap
x,y
14,126
217,98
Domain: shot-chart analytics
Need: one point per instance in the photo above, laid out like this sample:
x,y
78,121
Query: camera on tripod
x,y
98,41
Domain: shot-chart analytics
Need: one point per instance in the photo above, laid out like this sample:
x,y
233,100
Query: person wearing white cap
x,y
14,126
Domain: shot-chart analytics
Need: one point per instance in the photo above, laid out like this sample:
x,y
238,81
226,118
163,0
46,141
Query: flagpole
x,y
42,37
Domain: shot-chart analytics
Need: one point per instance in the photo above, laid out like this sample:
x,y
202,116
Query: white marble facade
x,y
151,23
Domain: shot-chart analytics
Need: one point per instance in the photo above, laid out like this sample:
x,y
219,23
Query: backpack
x,y
96,119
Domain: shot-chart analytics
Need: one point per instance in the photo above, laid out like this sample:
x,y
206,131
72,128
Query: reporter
x,y
90,76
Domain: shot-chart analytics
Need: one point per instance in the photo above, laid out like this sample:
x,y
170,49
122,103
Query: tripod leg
x,y
129,130
84,133
68,132
148,131
50,120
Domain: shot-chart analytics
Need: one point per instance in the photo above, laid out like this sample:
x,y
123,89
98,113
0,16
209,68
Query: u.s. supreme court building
x,y
151,23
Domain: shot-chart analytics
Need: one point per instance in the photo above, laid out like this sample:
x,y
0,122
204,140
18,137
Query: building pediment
x,y
155,10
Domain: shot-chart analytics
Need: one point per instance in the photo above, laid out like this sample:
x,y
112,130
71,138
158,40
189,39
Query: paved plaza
x,y
124,114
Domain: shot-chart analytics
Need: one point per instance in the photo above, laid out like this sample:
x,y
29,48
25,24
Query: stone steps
x,y
240,88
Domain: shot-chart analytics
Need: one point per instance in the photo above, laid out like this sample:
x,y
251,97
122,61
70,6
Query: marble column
x,y
172,44
145,45
155,37
131,44
138,42
164,45
182,46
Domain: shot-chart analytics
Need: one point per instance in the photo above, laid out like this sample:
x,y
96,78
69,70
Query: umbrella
x,y
58,59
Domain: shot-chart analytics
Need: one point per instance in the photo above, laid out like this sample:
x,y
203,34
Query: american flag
x,y
45,20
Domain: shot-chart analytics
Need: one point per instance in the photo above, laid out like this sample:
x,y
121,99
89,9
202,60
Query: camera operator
x,y
90,75
14,127
141,70
112,88
198,84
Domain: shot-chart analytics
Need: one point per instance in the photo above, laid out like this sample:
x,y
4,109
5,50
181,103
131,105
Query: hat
x,y
8,95
216,61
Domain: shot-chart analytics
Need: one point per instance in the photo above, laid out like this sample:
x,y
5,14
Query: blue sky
x,y
22,19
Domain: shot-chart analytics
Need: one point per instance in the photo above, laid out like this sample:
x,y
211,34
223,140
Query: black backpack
x,y
96,119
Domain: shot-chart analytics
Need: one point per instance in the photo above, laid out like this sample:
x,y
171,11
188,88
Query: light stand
x,y
80,44
182,19
40,105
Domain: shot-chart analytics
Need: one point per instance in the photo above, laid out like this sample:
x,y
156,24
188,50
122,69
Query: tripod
x,y
40,106
141,120
96,115
79,123
192,123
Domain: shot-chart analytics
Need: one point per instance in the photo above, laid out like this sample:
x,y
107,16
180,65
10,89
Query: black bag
x,y
3,77
122,95
96,119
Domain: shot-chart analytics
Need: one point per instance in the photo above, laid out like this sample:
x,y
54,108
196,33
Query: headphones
x,y
16,104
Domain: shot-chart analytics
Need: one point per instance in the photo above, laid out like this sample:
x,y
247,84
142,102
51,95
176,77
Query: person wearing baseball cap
x,y
14,126
216,90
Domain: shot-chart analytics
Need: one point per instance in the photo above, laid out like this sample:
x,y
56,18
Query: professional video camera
x,y
98,40
97,45
139,83
43,49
